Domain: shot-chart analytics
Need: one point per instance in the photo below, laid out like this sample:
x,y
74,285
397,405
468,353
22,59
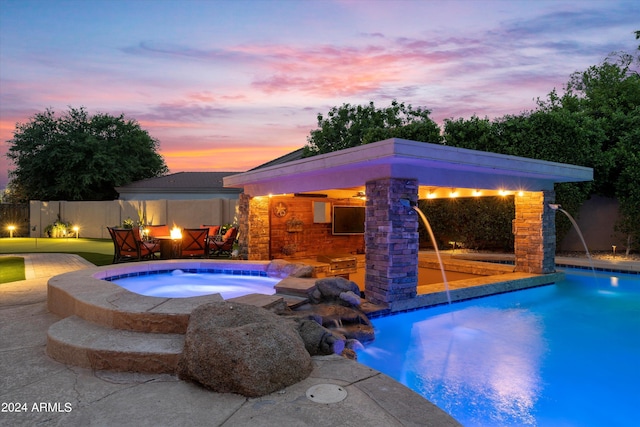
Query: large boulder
x,y
238,348
281,268
336,289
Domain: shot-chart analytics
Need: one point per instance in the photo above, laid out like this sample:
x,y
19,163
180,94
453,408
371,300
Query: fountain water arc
x,y
557,207
425,221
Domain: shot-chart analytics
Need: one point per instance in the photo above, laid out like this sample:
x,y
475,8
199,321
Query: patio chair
x,y
224,246
214,231
148,248
195,243
128,247
157,230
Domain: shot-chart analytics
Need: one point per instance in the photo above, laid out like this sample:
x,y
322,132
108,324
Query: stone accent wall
x,y
242,213
391,239
258,228
535,233
253,227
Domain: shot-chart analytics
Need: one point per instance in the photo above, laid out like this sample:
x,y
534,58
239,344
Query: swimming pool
x,y
560,355
184,284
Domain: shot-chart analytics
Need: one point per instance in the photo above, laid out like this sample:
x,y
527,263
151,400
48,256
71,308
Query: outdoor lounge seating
x,y
195,243
128,246
214,231
154,231
225,245
152,247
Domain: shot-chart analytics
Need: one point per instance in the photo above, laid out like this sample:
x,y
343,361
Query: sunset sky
x,y
228,85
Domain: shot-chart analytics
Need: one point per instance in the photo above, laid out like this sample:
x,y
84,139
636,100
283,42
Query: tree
x,y
609,94
350,126
553,134
80,157
474,134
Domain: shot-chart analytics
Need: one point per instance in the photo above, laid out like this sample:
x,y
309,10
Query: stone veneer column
x,y
535,232
253,227
391,240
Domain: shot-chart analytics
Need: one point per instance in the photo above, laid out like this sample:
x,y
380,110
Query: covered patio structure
x,y
392,175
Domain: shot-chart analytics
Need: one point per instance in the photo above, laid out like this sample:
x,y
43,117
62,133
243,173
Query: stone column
x,y
535,233
391,240
253,227
242,214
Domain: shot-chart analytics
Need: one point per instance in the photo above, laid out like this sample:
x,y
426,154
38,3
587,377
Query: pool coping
x,y
462,290
85,294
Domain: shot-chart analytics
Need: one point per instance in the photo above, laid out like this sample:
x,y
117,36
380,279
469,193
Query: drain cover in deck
x,y
326,393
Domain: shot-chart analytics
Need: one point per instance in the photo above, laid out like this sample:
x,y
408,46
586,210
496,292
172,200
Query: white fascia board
x,y
430,164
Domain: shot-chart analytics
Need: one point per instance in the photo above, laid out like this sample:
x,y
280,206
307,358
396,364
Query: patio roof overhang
x,y
432,165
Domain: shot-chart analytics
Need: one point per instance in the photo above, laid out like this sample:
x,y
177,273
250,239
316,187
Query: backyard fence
x,y
14,215
93,218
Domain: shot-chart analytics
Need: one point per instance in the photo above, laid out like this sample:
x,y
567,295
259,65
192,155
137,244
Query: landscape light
x,y
11,228
76,230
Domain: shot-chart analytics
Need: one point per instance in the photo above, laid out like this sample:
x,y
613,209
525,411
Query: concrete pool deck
x,y
50,393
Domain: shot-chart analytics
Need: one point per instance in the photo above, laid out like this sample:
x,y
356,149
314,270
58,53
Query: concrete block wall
x,y
94,216
597,219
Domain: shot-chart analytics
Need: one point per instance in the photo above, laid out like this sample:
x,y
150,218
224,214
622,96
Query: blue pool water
x,y
560,355
179,284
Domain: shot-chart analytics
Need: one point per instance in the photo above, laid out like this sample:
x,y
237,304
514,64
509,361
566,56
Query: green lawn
x,y
11,269
96,251
26,245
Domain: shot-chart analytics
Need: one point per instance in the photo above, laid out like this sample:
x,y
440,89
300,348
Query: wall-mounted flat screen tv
x,y
348,220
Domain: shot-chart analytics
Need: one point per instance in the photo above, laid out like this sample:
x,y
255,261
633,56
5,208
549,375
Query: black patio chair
x,y
129,247
195,243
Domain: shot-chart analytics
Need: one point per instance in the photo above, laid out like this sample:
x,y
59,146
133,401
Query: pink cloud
x,y
328,71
